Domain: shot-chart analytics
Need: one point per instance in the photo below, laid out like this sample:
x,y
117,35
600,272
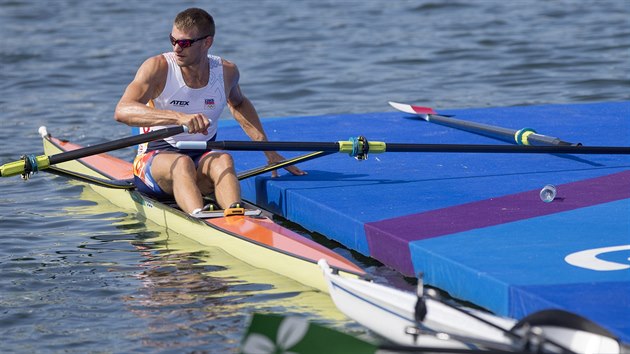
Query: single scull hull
x,y
256,240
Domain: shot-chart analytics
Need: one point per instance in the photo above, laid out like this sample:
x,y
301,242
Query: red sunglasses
x,y
185,43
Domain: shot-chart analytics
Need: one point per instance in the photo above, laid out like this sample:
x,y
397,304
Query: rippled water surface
x,y
78,275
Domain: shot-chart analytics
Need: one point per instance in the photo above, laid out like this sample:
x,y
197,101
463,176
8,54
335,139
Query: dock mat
x,y
473,223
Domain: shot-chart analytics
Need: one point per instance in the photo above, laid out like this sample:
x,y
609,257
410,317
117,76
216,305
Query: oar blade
x,y
411,109
269,333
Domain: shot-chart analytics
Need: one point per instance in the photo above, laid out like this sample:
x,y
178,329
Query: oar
x,y
31,163
102,182
281,164
128,183
360,146
525,136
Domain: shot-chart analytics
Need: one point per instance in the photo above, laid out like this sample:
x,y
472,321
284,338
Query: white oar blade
x,y
402,107
423,112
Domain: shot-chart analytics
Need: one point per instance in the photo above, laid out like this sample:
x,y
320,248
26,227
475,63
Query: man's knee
x,y
171,166
184,162
225,160
218,161
217,166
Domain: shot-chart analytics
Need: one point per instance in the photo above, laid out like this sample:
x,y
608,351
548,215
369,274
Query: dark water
x,y
77,275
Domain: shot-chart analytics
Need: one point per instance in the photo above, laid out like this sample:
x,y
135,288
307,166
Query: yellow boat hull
x,y
257,241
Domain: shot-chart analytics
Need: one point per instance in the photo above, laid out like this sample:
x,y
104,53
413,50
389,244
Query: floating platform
x,y
473,223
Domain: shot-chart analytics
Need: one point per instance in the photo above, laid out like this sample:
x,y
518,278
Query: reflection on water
x,y
189,295
90,276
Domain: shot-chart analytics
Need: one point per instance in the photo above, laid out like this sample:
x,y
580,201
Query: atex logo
x,y
178,103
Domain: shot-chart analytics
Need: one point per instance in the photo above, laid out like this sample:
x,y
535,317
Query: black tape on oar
x,y
30,166
360,147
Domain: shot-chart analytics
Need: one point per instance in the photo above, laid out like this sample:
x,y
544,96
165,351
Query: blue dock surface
x,y
473,223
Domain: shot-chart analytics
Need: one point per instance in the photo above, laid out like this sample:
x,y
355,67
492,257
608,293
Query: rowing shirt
x,y
177,96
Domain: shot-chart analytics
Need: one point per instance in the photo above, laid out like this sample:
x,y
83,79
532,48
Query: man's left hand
x,y
273,157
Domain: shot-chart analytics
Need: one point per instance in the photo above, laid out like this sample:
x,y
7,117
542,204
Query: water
x,y
78,275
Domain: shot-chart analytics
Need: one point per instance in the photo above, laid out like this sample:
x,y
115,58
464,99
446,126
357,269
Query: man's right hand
x,y
196,123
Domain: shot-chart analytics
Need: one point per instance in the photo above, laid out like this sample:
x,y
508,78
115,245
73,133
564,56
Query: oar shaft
x,y
273,146
114,145
33,163
348,147
284,163
524,136
509,135
380,147
518,149
536,139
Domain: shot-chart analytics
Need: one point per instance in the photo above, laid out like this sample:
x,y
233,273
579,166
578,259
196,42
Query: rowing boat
x,y
256,240
426,321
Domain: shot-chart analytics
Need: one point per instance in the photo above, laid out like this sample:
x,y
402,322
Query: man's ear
x,y
209,41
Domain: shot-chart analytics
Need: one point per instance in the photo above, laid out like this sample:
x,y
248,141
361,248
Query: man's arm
x,y
245,114
132,109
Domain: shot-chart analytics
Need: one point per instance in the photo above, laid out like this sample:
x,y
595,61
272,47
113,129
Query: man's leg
x,y
176,174
216,173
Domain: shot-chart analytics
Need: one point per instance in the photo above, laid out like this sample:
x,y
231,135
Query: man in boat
x,y
189,87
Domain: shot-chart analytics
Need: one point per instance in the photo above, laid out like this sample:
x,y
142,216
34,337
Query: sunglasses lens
x,y
184,43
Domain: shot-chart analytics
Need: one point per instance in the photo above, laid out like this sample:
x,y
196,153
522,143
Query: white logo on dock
x,y
588,259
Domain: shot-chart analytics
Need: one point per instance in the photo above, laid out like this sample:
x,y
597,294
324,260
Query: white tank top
x,y
177,96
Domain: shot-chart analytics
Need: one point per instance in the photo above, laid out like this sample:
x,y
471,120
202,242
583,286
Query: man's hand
x,y
273,156
196,123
